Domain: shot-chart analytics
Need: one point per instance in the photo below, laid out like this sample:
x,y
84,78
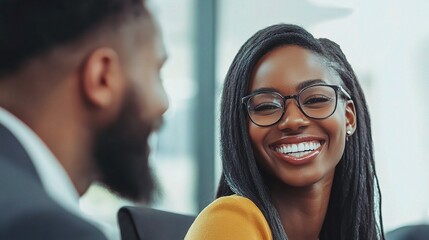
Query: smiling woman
x,y
315,118
296,145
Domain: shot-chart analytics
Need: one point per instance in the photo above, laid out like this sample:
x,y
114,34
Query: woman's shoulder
x,y
231,217
232,204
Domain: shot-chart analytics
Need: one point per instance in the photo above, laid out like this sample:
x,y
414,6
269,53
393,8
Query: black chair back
x,y
140,223
412,232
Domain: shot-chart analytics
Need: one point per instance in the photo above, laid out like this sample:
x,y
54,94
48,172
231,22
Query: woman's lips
x,y
298,152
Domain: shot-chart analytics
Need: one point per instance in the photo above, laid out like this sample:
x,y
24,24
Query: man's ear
x,y
351,118
102,78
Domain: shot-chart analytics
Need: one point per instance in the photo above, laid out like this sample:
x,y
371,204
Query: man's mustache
x,y
158,124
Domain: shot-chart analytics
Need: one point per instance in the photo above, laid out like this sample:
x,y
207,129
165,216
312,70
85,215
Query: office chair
x,y
141,223
412,232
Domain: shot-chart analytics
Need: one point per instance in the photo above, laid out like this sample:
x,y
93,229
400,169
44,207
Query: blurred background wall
x,y
387,43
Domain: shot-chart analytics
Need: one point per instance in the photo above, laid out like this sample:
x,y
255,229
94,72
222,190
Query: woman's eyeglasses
x,y
315,101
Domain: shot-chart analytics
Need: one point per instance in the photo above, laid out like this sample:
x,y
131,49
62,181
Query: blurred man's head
x,y
84,75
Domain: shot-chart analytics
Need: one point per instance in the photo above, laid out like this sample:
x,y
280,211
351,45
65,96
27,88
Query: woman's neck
x,y
302,209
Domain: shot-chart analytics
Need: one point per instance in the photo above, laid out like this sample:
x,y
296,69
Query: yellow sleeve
x,y
230,218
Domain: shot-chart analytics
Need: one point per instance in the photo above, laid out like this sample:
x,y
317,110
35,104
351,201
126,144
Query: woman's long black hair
x,y
354,210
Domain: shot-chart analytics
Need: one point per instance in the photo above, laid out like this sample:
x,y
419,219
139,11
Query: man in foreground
x,y
79,95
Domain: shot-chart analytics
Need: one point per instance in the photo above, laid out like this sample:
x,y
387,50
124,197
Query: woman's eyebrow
x,y
298,88
259,90
309,83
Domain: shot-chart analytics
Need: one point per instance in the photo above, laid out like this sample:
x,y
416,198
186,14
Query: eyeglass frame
x,y
337,89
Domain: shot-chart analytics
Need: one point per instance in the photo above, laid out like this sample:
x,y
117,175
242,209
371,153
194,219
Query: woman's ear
x,y
101,78
351,119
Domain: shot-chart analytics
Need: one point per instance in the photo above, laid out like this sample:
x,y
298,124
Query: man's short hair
x,y
29,28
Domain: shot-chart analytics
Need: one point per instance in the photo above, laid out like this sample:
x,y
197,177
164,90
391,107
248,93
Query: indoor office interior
x,y
386,42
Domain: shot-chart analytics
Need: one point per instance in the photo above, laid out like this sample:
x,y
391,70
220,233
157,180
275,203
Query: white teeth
x,y
298,154
298,150
294,148
301,147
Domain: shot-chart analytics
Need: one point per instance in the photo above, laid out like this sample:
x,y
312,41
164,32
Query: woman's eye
x,y
266,108
316,100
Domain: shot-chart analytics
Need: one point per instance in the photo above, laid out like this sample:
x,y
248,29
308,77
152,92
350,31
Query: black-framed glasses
x,y
266,108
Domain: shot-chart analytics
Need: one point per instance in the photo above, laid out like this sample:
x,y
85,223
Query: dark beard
x,y
121,153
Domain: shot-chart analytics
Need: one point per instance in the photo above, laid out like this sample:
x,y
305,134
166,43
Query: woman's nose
x,y
293,119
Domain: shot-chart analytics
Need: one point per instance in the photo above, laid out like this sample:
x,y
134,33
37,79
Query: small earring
x,y
348,134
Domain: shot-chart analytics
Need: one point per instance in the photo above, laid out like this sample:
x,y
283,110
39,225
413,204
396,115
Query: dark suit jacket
x,y
26,211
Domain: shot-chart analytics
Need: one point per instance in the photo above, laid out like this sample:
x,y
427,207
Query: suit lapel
x,y
12,151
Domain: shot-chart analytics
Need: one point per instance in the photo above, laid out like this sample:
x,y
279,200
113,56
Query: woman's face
x,y
277,148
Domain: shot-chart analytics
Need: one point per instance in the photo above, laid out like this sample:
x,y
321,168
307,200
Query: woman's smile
x,y
297,151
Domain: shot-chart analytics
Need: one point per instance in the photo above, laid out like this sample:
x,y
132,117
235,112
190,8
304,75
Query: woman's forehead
x,y
289,66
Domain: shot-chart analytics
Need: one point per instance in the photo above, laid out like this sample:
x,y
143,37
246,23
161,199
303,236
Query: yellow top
x,y
230,218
